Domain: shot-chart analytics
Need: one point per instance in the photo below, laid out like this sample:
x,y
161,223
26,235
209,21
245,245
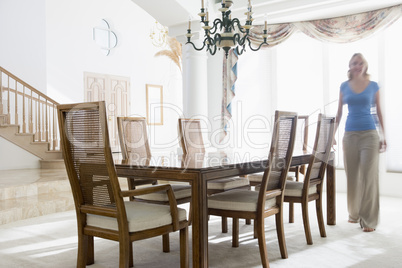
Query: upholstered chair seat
x,y
140,216
180,191
238,200
295,188
226,184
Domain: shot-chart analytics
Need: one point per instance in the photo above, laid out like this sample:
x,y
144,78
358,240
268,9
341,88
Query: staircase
x,y
28,119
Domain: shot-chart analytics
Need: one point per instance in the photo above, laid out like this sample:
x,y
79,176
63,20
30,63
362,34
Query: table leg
x,y
200,223
331,193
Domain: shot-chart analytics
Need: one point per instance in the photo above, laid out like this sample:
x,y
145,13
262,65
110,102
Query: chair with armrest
x,y
101,210
268,200
134,146
192,143
310,189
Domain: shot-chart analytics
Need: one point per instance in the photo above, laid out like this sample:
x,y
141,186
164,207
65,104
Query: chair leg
x,y
255,230
85,255
235,233
260,230
190,214
124,249
131,258
166,243
184,260
131,186
280,231
320,217
291,212
90,252
306,223
224,225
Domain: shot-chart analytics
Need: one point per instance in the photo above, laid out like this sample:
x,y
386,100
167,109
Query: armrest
x,y
157,188
146,190
273,193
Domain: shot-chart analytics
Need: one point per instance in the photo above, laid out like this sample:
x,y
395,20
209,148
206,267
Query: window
x,y
304,75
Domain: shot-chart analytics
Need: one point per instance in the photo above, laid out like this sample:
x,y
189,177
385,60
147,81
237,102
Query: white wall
x,y
22,45
50,45
72,51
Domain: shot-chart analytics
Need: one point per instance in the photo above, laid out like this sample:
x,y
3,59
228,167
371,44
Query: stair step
x,y
26,189
33,192
3,119
30,193
24,134
33,206
52,164
9,125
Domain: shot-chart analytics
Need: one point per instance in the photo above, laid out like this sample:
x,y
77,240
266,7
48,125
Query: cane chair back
x,y
301,143
312,186
190,136
133,137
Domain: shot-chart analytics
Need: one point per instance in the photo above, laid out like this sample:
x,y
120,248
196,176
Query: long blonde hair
x,y
365,62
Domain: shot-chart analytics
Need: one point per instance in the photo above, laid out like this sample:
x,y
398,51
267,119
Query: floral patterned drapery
x,y
350,28
228,84
339,30
277,33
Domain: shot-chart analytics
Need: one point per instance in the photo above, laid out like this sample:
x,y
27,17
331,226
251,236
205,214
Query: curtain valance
x,y
339,30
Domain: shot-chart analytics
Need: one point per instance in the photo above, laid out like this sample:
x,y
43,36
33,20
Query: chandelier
x,y
232,34
159,35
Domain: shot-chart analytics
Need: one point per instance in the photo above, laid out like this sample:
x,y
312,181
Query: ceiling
x,y
175,13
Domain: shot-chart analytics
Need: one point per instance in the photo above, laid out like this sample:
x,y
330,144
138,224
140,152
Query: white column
x,y
195,82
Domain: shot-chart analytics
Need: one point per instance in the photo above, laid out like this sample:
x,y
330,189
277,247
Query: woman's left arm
x,y
381,121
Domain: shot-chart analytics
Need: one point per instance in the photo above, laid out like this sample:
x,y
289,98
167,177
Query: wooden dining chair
x,y
100,208
134,145
301,144
192,143
268,201
310,189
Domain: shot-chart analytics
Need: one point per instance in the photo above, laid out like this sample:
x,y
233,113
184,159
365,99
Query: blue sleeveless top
x,y
359,106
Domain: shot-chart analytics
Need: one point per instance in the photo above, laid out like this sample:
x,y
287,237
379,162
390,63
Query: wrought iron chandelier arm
x,y
198,49
255,49
237,21
217,24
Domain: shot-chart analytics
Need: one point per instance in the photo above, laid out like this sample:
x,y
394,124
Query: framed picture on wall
x,y
154,98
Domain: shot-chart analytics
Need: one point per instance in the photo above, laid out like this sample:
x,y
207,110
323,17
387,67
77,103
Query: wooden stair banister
x,y
29,108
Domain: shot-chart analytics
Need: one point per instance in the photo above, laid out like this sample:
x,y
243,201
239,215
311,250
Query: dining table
x,y
199,169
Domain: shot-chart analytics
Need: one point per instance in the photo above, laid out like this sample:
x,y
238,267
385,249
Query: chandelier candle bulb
x,y
189,22
202,3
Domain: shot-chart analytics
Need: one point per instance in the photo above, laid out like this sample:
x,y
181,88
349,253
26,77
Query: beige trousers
x,y
361,157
